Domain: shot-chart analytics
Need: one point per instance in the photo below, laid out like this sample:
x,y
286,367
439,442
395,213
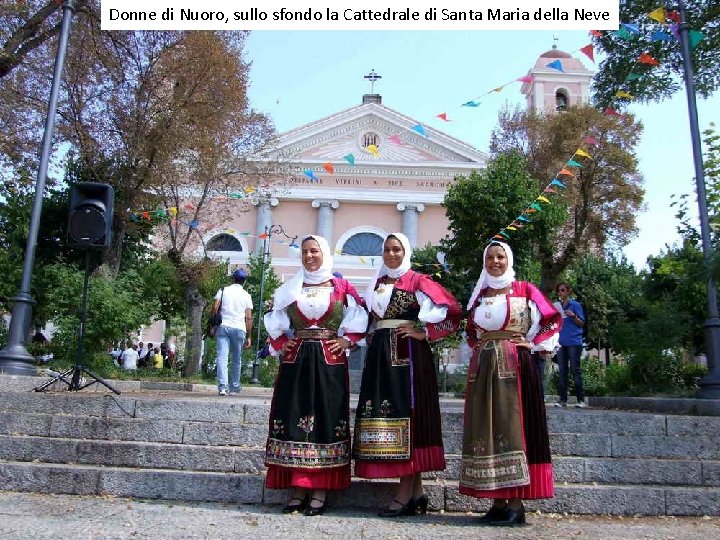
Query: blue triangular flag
x,y
471,104
632,27
310,174
659,35
556,64
420,130
557,183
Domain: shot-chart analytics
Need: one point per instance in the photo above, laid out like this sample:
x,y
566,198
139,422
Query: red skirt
x,y
284,477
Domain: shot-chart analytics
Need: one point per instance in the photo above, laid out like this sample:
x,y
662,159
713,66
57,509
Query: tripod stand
x,y
73,377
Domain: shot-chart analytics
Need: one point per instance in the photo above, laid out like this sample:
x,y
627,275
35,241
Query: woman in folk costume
x,y
397,425
308,447
506,452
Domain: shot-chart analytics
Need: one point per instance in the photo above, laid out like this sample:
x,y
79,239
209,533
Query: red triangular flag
x,y
612,112
526,78
674,16
645,58
588,51
590,140
329,168
443,117
596,33
565,171
262,236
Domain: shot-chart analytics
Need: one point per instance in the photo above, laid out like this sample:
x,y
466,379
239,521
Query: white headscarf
x,y
287,293
496,282
392,272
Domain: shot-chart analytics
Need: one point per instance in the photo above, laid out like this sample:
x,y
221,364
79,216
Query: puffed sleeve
x,y
355,321
551,343
429,311
277,323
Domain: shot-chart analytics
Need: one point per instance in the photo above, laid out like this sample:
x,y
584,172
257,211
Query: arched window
x,y
364,243
224,242
561,100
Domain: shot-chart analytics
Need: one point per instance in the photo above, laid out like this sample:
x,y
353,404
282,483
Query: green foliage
x,y
657,82
610,292
653,373
618,380
256,269
480,205
691,375
116,308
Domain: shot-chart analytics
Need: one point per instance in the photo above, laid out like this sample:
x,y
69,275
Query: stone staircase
x,y
186,443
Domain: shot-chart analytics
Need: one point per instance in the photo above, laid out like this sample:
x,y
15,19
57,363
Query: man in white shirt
x,y
235,306
129,357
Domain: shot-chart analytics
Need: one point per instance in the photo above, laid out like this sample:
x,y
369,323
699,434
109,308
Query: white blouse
x,y
313,303
429,311
491,312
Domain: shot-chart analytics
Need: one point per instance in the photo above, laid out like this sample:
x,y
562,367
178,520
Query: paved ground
x,y
33,516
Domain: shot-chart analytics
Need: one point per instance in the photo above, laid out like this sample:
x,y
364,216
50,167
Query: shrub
x,y
617,379
691,375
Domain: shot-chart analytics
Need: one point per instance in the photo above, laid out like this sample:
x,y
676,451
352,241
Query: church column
x,y
325,217
264,219
539,89
410,220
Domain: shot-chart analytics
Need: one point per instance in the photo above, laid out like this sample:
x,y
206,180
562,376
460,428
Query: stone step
x,y
684,444
249,489
255,409
249,460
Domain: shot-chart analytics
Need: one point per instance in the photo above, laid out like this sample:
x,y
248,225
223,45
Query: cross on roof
x,y
373,78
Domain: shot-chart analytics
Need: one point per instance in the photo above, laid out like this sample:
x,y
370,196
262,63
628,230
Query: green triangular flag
x,y
695,37
623,33
632,77
573,163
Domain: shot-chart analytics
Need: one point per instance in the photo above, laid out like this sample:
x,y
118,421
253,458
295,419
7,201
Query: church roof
x,y
331,138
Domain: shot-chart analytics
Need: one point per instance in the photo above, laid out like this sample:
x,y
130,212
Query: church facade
x,y
357,175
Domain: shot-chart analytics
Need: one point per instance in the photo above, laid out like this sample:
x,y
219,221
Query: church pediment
x,y
352,131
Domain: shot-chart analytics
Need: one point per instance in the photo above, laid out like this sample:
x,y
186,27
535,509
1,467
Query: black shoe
x,y
494,514
421,505
315,510
296,504
513,518
407,509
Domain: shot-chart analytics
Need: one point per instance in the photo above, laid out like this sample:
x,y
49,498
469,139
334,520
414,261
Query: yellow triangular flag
x,y
373,149
658,15
544,199
173,210
582,153
362,259
511,228
624,94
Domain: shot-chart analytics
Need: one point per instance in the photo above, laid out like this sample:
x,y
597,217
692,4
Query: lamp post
x,y
14,357
269,231
710,384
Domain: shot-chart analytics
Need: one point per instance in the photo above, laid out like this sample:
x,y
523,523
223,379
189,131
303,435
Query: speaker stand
x,y
73,377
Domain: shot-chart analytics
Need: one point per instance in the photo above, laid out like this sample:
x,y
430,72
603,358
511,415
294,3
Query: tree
x,y
28,25
658,82
600,202
483,203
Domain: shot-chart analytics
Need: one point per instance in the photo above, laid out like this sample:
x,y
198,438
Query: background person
x,y
399,385
235,306
506,449
571,345
308,447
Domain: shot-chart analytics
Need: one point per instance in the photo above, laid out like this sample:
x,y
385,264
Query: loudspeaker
x,y
91,215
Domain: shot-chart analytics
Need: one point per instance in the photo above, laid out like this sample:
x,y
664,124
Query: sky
x,y
302,76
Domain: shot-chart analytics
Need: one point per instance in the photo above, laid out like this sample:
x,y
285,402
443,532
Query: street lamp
x,y
14,357
710,384
269,231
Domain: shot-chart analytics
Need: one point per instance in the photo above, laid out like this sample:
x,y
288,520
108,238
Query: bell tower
x,y
557,81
